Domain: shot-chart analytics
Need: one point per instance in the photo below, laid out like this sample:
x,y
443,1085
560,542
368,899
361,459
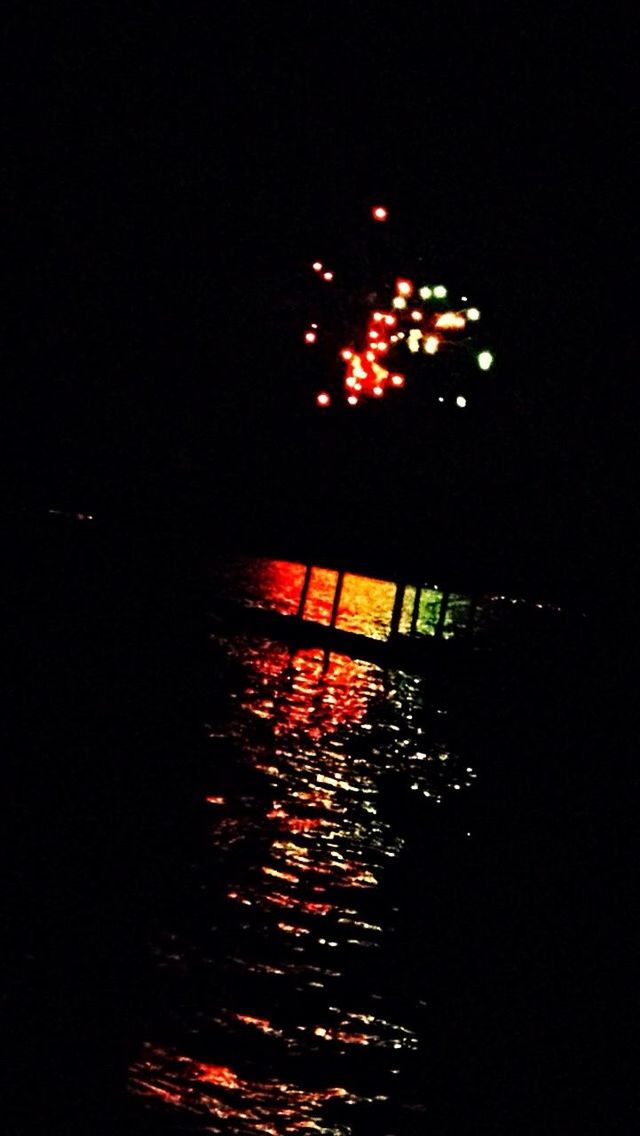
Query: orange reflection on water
x,y
280,875
322,588
365,603
366,606
261,1024
272,1107
275,584
319,728
310,691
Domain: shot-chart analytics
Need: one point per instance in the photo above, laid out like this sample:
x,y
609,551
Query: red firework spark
x,y
391,329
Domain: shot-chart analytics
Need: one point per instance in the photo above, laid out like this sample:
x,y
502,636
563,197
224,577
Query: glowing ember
x,y
450,321
404,287
423,331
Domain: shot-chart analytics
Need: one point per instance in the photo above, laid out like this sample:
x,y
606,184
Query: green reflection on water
x,y
430,603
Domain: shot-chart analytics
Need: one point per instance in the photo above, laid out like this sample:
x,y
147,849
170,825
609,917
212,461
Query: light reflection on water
x,y
284,1016
366,604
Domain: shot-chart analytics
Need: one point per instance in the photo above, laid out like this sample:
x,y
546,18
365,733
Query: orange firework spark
x,y
388,332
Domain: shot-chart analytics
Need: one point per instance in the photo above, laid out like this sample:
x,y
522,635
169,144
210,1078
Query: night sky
x,y
171,173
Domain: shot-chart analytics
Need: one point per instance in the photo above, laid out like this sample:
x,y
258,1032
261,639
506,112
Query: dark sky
x,y
170,169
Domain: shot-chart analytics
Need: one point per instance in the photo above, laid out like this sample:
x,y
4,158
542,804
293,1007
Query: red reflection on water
x,y
297,824
317,908
279,584
291,930
272,1107
317,858
365,604
262,1024
322,588
218,1075
309,691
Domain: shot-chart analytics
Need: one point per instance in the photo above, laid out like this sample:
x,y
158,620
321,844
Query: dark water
x,y
256,887
378,924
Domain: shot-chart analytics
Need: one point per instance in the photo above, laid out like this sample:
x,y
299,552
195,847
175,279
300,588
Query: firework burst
x,y
399,318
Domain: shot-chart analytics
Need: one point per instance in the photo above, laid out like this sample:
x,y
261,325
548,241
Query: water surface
x,y
296,996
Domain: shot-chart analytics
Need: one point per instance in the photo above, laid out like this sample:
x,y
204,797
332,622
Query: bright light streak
x,y
323,399
425,293
439,291
450,321
473,314
461,400
485,359
399,302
